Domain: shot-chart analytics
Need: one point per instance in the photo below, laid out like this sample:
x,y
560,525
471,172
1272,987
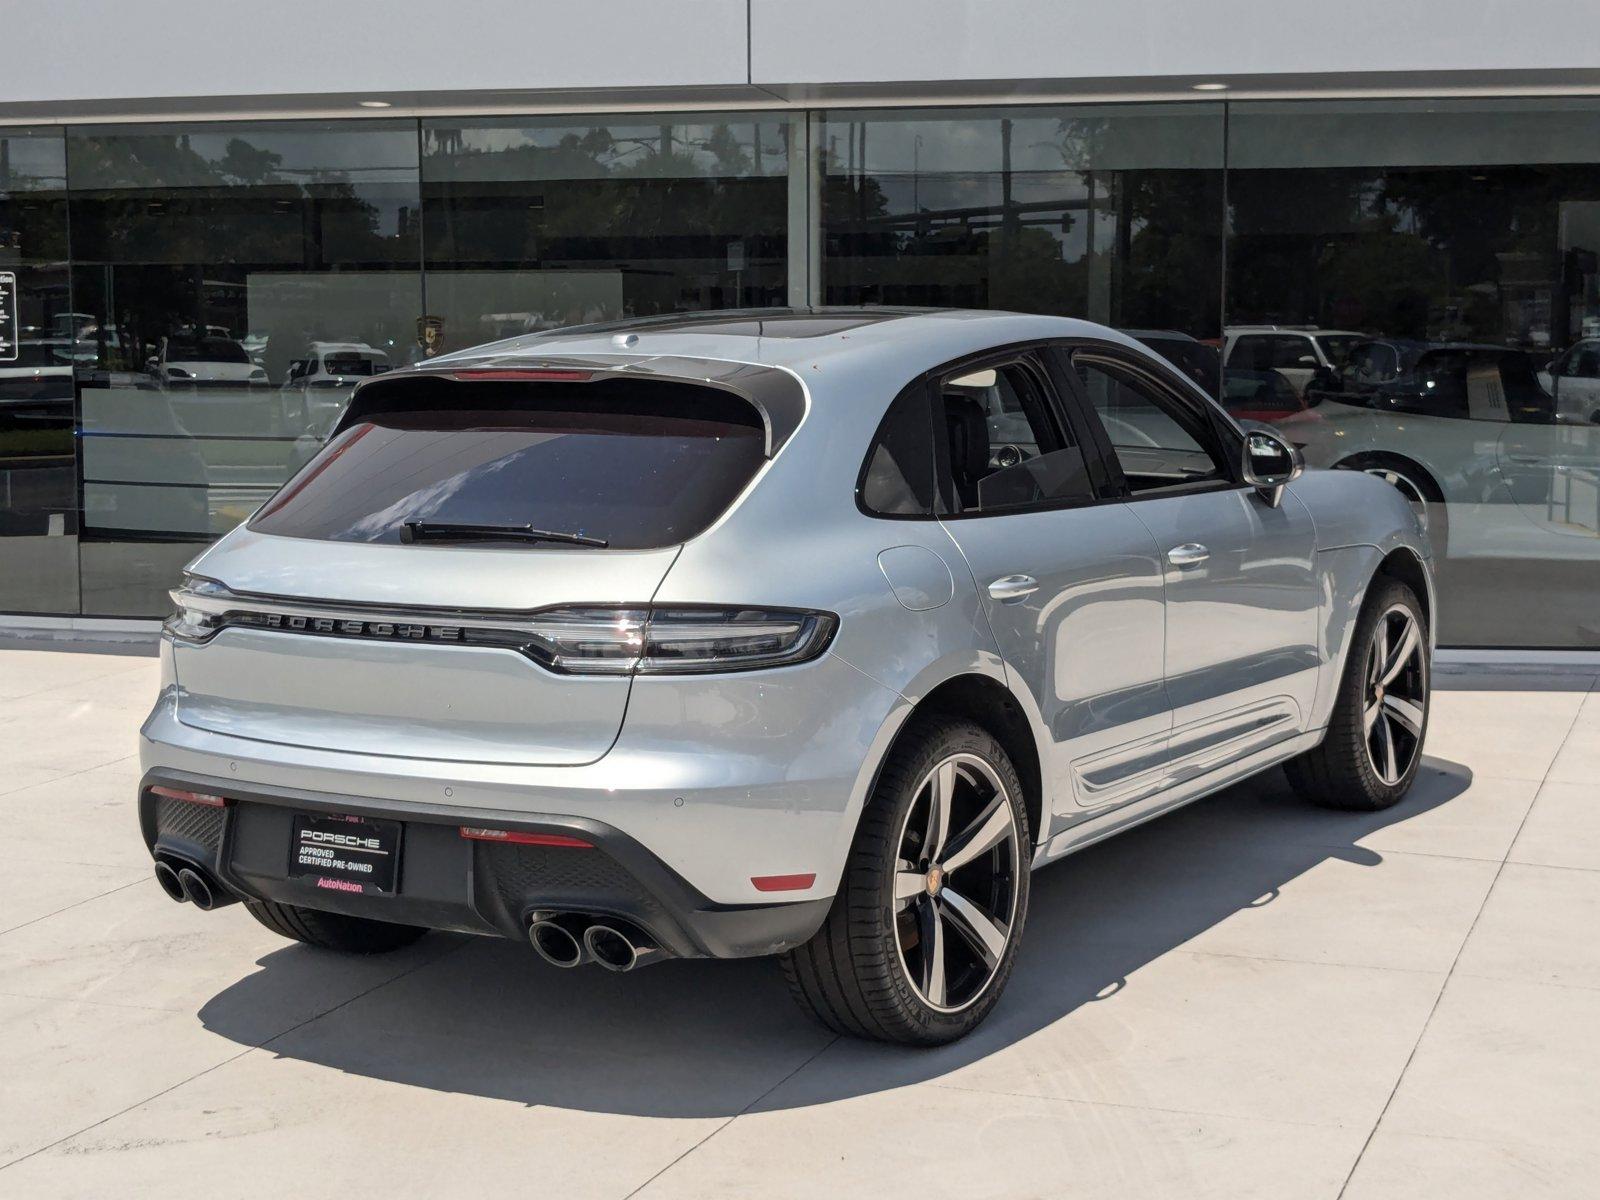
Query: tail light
x,y
677,641
196,615
586,640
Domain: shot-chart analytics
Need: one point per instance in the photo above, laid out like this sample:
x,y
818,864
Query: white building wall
x,y
88,59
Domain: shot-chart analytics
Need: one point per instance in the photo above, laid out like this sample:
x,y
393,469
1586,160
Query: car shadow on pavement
x,y
485,1017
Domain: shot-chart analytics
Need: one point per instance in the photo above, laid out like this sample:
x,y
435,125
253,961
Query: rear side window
x,y
637,465
1006,448
898,478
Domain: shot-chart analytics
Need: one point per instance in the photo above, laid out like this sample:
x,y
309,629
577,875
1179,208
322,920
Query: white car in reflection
x,y
1483,488
1573,378
189,360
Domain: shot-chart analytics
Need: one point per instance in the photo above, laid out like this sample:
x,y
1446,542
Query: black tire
x,y
854,975
333,931
1412,481
1344,772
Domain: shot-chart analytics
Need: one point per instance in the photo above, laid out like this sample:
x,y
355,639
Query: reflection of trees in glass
x,y
1129,247
662,204
168,236
1436,253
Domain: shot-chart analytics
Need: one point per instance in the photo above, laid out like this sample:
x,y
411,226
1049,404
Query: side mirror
x,y
1270,463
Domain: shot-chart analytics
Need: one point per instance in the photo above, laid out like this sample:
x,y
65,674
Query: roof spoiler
x,y
776,394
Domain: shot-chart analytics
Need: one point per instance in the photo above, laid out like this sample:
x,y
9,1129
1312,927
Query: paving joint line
x,y
121,887
232,1058
818,1053
1428,1021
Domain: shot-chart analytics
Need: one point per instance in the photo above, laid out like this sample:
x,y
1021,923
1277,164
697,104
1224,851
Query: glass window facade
x,y
532,224
238,279
1433,273
1410,288
39,337
1110,214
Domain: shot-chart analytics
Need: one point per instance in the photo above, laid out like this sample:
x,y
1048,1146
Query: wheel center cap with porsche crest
x,y
935,880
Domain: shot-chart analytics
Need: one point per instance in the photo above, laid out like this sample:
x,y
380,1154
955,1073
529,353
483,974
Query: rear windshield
x,y
636,465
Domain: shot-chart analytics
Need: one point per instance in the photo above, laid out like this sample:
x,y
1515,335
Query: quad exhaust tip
x,y
188,882
617,951
171,884
196,890
572,939
556,944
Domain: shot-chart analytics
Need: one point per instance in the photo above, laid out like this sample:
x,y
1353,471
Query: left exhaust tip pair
x,y
184,882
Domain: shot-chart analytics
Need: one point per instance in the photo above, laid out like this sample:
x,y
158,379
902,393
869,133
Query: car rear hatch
x,y
398,595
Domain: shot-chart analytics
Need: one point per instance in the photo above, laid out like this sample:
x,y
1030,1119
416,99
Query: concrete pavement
x,y
1248,998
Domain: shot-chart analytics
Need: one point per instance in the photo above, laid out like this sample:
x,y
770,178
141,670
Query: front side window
x,y
613,465
1007,448
1160,444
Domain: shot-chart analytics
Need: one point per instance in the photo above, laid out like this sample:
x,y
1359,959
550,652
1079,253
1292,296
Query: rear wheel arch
x,y
990,705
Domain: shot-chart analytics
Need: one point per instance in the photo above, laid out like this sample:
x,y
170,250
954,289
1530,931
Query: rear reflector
x,y
479,834
192,797
525,374
783,883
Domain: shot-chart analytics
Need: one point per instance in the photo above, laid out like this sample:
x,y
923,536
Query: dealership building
x,y
1375,225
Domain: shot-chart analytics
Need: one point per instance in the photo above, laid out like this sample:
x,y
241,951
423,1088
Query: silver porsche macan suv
x,y
805,633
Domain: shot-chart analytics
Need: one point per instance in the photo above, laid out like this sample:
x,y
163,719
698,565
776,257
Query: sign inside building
x,y
8,317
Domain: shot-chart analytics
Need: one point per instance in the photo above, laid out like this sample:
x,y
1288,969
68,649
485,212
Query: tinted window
x,y
899,475
1159,443
1251,353
1197,360
639,466
1006,447
1337,346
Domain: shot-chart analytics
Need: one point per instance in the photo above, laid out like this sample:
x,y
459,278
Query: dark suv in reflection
x,y
1442,379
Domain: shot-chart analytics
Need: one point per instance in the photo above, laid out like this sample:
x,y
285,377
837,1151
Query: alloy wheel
x,y
1395,700
955,884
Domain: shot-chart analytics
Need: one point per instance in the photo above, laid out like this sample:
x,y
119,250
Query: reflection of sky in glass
x,y
425,502
1052,139
32,162
628,144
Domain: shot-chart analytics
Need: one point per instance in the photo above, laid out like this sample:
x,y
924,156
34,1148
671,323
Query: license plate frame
x,y
344,853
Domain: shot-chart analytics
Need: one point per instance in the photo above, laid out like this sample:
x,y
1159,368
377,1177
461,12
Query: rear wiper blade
x,y
444,531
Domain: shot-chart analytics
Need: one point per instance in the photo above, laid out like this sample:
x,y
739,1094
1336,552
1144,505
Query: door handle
x,y
1188,555
1008,589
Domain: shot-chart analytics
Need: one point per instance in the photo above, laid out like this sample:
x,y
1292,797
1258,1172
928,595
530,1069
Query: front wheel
x,y
923,933
1373,746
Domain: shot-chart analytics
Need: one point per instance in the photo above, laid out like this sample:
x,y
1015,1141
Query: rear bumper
x,y
450,882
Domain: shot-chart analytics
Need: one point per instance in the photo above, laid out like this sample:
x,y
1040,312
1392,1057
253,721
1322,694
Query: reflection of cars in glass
x,y
1467,435
1249,395
1573,378
1301,355
648,641
188,359
1451,379
324,377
